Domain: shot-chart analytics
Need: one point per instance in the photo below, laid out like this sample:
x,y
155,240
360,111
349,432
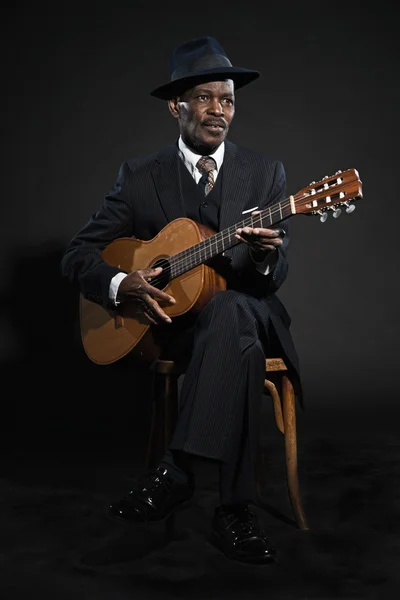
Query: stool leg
x,y
260,463
271,387
289,419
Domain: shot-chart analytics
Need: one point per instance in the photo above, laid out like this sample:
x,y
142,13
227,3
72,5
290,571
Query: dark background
x,y
76,83
75,104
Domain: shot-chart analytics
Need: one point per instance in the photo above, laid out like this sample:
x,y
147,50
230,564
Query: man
x,y
203,177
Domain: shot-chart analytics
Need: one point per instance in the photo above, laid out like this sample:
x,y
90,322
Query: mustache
x,y
217,122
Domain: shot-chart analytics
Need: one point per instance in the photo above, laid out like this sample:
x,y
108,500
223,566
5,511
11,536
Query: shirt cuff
x,y
267,265
114,285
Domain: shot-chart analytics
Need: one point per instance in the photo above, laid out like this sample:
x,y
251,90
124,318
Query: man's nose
x,y
216,108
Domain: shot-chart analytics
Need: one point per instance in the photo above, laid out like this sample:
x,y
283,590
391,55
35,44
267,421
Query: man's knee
x,y
228,312
226,300
225,307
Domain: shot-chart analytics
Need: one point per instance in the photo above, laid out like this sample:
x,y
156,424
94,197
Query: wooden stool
x,y
165,413
285,417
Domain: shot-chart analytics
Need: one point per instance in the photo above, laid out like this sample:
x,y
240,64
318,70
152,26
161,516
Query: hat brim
x,y
239,75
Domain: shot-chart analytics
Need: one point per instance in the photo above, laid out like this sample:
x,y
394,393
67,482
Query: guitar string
x,y
193,254
189,253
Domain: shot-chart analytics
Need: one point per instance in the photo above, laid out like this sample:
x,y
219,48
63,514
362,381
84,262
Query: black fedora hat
x,y
199,60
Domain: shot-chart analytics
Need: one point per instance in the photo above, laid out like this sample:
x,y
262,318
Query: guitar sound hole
x,y
161,280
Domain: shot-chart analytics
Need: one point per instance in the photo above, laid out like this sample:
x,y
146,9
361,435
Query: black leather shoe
x,y
154,497
237,533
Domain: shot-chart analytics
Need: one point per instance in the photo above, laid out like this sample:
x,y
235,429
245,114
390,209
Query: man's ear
x,y
173,106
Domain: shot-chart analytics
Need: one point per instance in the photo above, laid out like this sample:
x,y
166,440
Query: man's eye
x,y
228,100
203,97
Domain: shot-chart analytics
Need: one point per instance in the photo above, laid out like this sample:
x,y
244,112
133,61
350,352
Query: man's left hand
x,y
261,240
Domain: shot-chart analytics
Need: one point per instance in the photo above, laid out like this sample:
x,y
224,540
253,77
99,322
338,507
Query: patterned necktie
x,y
206,166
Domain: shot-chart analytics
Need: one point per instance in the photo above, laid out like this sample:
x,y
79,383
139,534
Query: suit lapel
x,y
165,175
234,191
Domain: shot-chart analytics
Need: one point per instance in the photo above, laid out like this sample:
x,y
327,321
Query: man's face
x,y
205,113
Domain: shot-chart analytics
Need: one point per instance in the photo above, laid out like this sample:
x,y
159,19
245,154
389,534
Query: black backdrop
x,y
76,81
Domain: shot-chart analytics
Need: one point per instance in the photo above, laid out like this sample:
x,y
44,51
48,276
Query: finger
x,y
259,245
151,315
254,231
150,318
268,243
157,312
147,288
146,309
242,239
147,275
246,230
156,293
253,240
278,230
265,234
150,272
269,233
266,240
144,291
269,247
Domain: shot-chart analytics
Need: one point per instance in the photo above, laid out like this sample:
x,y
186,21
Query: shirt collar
x,y
190,158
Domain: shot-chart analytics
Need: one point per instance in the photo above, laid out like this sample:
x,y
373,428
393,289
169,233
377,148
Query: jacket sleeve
x,y
82,262
279,273
258,283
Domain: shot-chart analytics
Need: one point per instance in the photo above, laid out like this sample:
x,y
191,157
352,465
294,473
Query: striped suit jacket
x,y
147,196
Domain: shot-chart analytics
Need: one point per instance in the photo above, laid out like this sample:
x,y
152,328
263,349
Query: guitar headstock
x,y
330,194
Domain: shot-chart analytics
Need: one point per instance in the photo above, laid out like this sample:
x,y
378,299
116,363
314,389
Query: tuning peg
x,y
349,207
323,217
337,172
337,212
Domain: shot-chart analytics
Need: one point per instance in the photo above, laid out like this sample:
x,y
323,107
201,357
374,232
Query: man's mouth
x,y
214,126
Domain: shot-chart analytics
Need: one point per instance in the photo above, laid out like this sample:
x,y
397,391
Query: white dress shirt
x,y
190,160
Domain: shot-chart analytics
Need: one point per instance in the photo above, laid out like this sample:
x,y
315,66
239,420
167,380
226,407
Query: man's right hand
x,y
136,287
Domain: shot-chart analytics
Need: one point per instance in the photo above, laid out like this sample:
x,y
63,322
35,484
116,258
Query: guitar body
x,y
109,335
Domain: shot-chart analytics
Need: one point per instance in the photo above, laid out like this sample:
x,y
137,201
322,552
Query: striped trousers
x,y
222,389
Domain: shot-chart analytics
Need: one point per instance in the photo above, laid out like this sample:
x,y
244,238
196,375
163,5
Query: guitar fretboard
x,y
223,240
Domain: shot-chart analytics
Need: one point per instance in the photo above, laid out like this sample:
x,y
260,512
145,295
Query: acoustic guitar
x,y
183,249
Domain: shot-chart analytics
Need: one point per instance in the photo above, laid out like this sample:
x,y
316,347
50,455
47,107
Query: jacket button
x,y
204,204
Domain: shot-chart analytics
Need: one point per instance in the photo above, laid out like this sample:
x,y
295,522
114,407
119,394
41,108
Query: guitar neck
x,y
223,240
